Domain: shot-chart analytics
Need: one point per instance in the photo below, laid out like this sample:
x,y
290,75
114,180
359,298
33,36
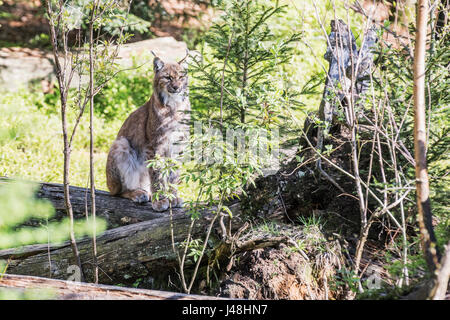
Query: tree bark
x,y
424,216
69,290
116,211
91,135
436,288
138,252
64,84
443,276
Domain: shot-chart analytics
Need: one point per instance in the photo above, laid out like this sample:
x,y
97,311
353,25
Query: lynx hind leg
x,y
131,170
112,175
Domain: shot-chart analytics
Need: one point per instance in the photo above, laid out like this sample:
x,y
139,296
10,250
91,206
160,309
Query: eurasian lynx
x,y
156,128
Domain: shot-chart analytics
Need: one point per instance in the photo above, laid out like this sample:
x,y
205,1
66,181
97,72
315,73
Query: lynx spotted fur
x,y
156,128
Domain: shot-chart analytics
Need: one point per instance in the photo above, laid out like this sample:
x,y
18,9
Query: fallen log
x,y
70,290
116,211
140,252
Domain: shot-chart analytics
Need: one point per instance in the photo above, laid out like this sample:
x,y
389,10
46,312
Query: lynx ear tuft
x,y
183,62
158,64
184,59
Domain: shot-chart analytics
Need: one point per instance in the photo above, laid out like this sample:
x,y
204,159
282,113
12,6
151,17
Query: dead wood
x,y
70,290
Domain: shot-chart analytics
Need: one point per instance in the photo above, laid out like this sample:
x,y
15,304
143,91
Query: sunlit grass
x,y
34,148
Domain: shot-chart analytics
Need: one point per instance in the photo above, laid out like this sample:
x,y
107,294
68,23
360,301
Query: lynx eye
x,y
168,78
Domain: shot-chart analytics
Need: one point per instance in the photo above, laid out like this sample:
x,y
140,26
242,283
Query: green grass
x,y
34,150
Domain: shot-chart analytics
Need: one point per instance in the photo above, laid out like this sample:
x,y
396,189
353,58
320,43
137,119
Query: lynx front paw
x,y
140,196
160,205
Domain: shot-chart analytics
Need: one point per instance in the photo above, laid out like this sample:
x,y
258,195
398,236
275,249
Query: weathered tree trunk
x,y
116,211
438,287
300,189
138,252
69,290
424,216
443,276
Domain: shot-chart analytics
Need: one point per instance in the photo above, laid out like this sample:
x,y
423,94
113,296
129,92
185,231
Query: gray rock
x,y
19,67
167,48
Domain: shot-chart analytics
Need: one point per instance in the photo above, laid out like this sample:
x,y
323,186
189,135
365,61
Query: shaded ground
x,y
304,268
326,222
187,18
22,22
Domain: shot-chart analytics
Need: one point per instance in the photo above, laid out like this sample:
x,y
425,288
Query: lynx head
x,y
171,81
